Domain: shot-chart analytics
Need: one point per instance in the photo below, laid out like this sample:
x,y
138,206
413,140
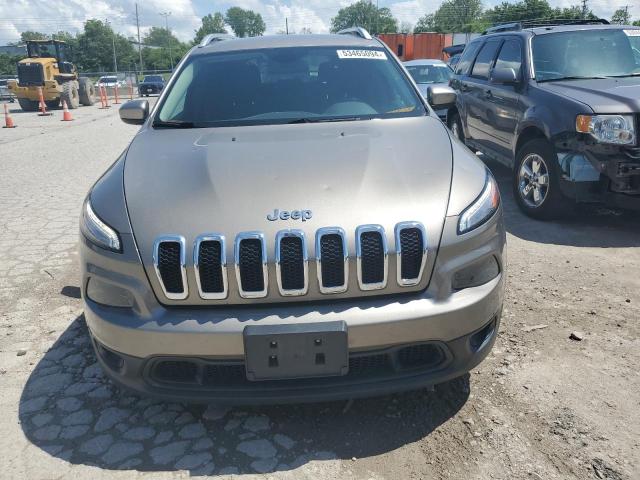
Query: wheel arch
x,y
529,133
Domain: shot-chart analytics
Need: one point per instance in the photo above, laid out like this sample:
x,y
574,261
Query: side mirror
x,y
506,76
441,96
134,112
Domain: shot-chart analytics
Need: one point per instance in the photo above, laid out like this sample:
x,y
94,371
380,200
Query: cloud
x,y
52,15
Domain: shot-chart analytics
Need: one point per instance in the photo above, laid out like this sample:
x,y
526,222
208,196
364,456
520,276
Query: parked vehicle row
x,y
560,105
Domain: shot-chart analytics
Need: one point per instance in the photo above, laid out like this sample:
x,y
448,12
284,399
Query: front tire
x,y
28,105
70,94
86,92
536,181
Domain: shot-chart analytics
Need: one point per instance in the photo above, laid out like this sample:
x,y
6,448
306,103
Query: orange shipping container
x,y
420,45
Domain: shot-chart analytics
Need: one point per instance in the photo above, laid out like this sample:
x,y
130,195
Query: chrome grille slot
x,y
251,265
210,264
411,248
291,263
372,257
170,267
332,258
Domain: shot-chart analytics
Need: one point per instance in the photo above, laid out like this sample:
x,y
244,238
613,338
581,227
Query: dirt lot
x,y
541,406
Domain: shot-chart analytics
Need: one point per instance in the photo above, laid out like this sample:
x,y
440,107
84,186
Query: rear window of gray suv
x,y
288,85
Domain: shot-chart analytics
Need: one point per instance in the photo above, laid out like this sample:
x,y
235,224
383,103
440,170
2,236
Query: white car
x,y
109,82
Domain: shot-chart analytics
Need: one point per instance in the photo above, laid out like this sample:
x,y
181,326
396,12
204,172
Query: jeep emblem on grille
x,y
277,214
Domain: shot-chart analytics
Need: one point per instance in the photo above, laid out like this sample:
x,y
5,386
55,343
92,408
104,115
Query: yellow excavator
x,y
48,66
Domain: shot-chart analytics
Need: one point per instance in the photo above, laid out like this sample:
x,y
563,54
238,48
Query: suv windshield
x,y
153,78
430,73
288,85
586,54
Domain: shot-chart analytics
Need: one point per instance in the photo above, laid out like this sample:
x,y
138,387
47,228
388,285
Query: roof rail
x,y
214,37
357,31
505,27
541,22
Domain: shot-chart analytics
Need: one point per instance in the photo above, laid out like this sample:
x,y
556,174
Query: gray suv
x,y
559,104
291,223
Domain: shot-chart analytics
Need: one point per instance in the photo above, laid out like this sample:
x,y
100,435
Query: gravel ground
x,y
542,406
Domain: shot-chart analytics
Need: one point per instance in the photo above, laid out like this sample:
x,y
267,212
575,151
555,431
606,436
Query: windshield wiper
x,y
569,78
324,120
636,74
172,124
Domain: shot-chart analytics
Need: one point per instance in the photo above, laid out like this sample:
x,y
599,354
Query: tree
x,y
406,27
636,23
8,64
458,16
365,14
31,35
245,23
210,24
425,24
94,48
621,16
533,10
161,47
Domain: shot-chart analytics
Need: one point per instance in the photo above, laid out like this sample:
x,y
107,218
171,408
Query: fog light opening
x,y
480,338
114,361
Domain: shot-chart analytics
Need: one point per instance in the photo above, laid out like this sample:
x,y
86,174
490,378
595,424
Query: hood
x,y
227,180
606,95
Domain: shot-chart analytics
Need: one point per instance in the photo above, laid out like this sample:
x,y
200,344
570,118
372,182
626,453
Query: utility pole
x,y
139,45
113,43
286,25
584,9
166,23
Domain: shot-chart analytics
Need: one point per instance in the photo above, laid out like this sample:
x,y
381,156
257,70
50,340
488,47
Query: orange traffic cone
x,y
8,121
103,98
115,92
130,91
66,114
43,106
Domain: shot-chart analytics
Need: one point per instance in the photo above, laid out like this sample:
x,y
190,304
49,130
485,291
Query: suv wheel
x,y
455,125
536,185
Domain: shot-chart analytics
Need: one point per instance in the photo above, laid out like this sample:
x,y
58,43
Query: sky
x,y
53,15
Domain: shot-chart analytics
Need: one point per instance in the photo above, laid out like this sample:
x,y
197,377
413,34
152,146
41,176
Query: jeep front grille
x,y
251,265
291,261
412,252
169,263
371,251
332,256
210,264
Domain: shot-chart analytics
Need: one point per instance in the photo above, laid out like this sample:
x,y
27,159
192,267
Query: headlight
x,y
616,129
96,231
482,208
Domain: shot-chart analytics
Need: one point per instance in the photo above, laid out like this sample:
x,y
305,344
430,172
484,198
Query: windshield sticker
x,y
632,33
370,54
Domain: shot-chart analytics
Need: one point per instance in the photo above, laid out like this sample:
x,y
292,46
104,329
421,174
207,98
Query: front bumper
x,y
139,336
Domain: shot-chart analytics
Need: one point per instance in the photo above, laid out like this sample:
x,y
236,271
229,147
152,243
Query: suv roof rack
x,y
357,31
533,23
214,37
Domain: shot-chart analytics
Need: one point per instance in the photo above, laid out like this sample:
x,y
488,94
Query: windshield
x,y
284,85
430,73
153,78
586,54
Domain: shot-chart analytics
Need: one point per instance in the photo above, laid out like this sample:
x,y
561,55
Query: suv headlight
x,y
96,231
616,129
482,207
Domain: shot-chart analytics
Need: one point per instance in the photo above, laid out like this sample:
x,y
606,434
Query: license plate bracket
x,y
279,352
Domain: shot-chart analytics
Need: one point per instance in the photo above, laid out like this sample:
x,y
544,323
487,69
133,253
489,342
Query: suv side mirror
x,y
441,96
506,76
134,112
